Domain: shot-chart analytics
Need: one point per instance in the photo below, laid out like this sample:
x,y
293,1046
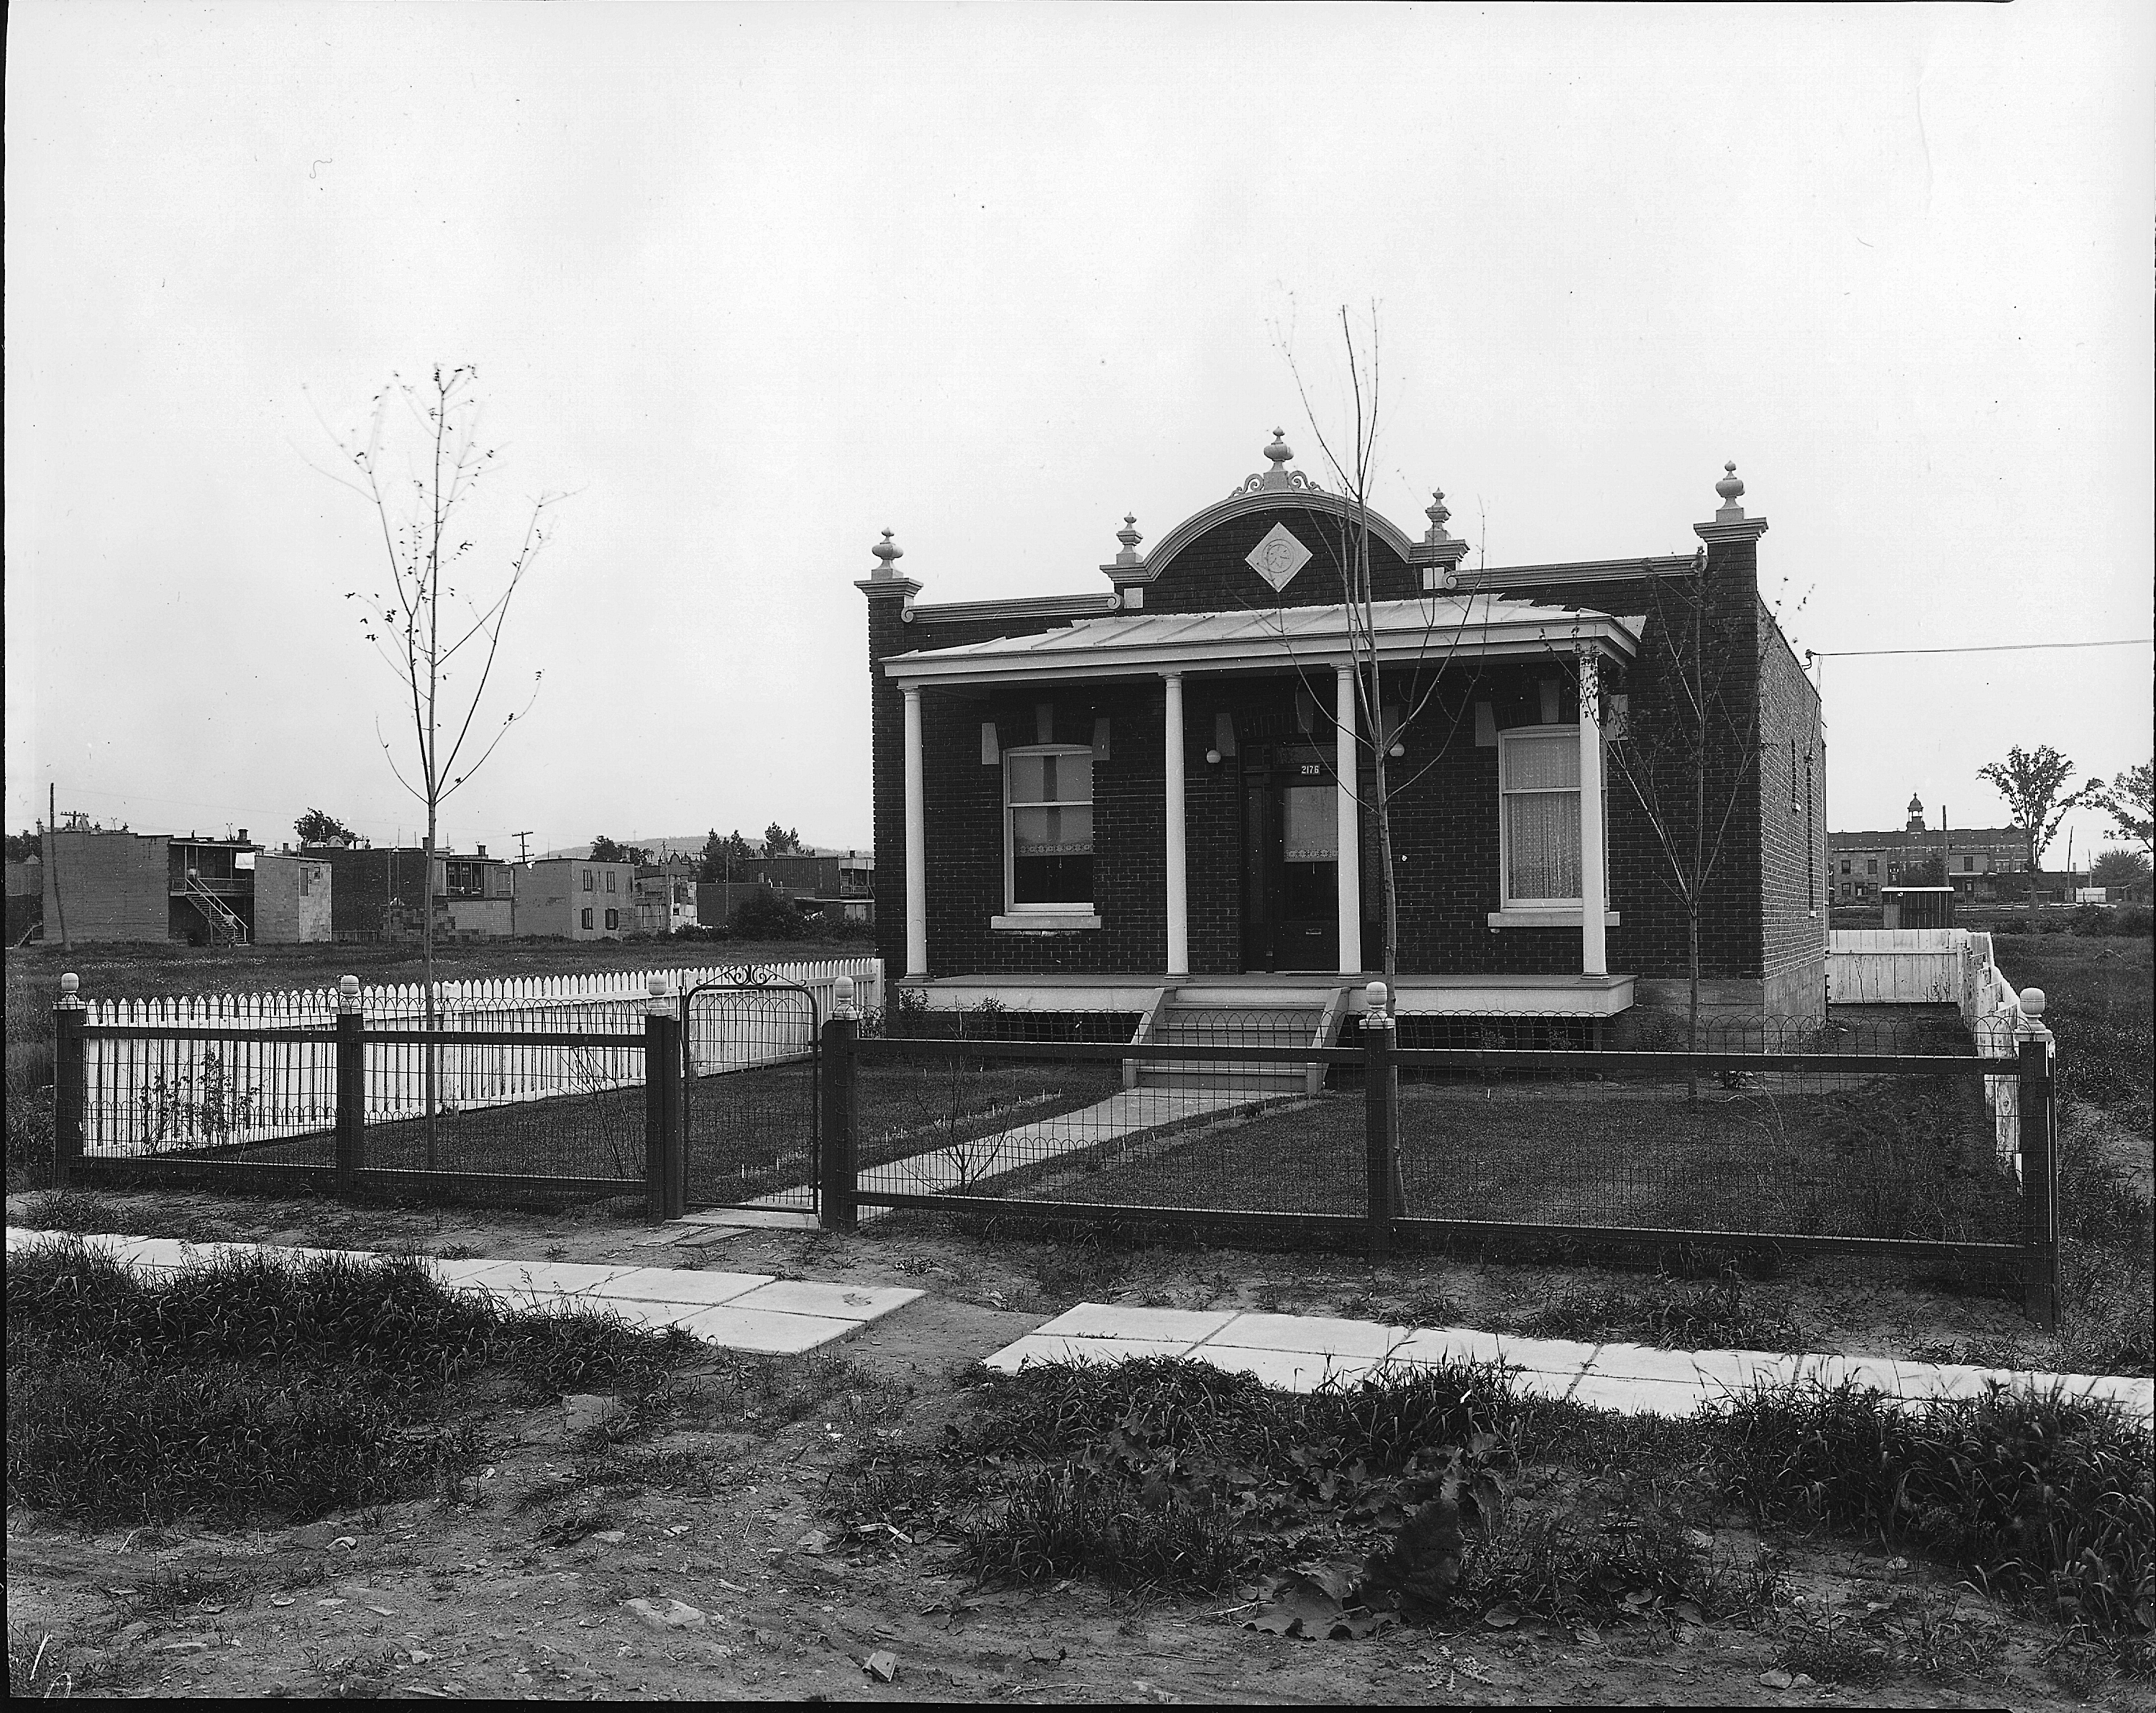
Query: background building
x,y
570,898
1969,859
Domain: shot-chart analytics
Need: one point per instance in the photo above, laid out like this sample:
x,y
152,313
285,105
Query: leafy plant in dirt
x,y
1830,1648
2034,1495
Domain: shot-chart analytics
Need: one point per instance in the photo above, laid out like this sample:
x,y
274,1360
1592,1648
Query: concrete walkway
x,y
1298,1352
1134,1114
743,1311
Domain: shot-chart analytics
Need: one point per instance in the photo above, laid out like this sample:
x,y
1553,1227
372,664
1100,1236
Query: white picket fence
x,y
153,1095
1944,966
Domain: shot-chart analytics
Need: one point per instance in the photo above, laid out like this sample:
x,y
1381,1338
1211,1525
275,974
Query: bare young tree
x,y
1351,454
1691,761
420,467
2032,783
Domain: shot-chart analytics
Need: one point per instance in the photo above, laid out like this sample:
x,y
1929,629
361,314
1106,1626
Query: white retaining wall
x,y
1944,966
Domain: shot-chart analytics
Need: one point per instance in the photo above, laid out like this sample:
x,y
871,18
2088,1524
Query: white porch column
x,y
1594,957
916,842
1178,900
1349,863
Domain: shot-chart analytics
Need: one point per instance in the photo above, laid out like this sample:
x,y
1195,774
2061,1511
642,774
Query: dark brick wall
x,y
1212,575
1792,819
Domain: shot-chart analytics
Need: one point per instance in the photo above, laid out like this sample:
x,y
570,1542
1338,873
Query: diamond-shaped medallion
x,y
1278,558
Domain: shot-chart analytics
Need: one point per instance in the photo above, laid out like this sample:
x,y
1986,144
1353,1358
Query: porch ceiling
x,y
1426,632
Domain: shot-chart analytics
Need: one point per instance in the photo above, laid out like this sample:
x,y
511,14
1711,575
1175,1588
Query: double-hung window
x,y
1048,829
1538,817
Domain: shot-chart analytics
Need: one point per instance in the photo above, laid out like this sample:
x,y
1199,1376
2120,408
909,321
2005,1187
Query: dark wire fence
x,y
1865,1134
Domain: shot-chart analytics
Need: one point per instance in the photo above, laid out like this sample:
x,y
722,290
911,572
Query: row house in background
x,y
573,897
666,895
837,884
1972,860
115,884
380,892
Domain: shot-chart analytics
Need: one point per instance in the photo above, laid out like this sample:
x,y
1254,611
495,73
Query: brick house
x,y
1972,859
1091,800
378,895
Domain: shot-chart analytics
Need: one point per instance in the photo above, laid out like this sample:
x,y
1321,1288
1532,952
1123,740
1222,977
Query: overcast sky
x,y
756,282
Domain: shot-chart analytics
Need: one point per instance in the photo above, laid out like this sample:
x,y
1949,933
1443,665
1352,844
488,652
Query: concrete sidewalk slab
x,y
543,1278
1300,1352
833,1302
682,1286
1126,1320
1306,1334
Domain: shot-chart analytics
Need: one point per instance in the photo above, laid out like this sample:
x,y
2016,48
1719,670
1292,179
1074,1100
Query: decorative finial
x,y
1437,513
1129,536
1280,451
1731,488
886,550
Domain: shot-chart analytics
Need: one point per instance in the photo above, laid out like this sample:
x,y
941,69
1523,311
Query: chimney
x,y
479,849
242,835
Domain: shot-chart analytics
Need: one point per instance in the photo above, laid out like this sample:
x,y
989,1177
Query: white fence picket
x,y
150,1095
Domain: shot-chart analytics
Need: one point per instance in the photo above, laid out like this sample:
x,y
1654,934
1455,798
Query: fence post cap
x,y
655,984
71,989
842,997
2032,1002
348,993
1374,1015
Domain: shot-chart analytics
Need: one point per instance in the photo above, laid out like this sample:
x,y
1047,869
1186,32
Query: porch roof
x,y
1428,630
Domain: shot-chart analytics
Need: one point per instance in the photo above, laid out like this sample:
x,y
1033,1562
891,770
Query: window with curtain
x,y
1539,783
1048,817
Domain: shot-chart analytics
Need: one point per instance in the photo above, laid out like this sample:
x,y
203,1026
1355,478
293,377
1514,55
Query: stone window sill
x,y
1045,922
1560,917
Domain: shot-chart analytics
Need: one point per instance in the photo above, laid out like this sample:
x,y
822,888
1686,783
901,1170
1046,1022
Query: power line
x,y
1979,649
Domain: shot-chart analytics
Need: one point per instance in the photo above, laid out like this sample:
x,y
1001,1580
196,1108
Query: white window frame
x,y
1087,907
1508,901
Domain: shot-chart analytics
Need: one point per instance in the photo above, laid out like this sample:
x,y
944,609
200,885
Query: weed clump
x,y
252,1385
2034,1495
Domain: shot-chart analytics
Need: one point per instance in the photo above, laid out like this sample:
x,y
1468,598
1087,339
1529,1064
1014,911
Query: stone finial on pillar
x,y
1438,514
1439,551
885,579
347,993
1731,488
1730,524
1129,536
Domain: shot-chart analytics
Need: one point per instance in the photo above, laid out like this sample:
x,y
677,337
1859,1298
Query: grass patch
x,y
1885,1156
2033,1495
255,1386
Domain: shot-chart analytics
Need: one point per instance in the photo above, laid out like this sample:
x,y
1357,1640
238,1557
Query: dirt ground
x,y
518,1585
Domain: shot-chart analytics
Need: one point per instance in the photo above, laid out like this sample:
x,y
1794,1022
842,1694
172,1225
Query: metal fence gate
x,y
750,1058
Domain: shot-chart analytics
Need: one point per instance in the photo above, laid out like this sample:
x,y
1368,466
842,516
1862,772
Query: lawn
x,y
1899,1157
750,1132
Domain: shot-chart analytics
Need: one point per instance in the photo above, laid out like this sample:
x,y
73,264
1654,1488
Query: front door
x,y
1291,879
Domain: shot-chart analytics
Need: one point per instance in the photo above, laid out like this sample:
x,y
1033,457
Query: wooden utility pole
x,y
52,859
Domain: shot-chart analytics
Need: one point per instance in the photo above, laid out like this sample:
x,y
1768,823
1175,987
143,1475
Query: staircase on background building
x,y
226,925
1199,1015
